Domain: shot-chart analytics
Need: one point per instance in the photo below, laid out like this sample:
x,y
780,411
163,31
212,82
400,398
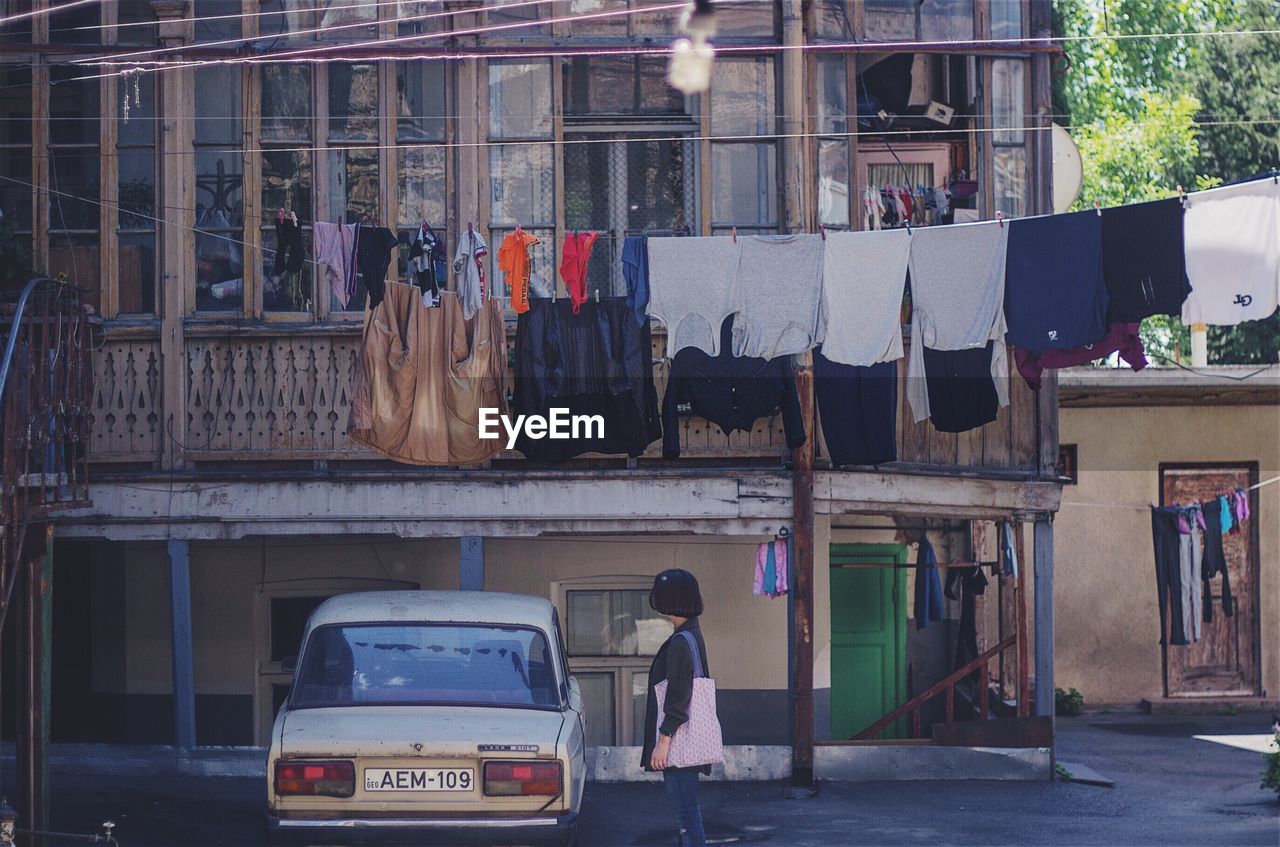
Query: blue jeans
x,y
682,786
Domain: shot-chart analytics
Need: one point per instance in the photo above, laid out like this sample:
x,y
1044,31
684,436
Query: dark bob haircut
x,y
675,592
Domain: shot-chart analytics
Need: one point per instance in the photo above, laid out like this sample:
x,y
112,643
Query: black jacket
x,y
674,663
730,391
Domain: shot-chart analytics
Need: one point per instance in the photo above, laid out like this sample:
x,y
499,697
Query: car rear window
x,y
435,664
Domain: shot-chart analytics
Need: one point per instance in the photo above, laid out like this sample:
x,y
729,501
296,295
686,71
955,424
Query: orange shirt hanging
x,y
513,261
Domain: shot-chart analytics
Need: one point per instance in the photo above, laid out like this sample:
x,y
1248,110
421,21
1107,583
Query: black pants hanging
x,y
1167,542
289,255
1215,559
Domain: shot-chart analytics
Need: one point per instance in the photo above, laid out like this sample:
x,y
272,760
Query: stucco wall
x,y
1107,623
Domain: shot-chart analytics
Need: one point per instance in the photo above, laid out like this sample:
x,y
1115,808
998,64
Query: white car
x,y
429,717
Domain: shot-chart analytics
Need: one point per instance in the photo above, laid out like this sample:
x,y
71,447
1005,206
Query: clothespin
x,y
1097,208
1000,218
293,216
597,295
735,235
1182,195
1275,176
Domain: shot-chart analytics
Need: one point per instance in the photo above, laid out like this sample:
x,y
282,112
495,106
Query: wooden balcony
x,y
275,393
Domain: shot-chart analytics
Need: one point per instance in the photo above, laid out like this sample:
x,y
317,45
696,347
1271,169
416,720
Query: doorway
x,y
1227,660
868,637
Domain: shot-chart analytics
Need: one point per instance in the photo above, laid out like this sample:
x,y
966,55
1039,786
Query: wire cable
x,y
50,10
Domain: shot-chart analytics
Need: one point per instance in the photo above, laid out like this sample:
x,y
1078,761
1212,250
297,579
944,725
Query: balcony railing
x,y
282,394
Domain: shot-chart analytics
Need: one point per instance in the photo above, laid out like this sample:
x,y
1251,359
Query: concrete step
x,y
1209,705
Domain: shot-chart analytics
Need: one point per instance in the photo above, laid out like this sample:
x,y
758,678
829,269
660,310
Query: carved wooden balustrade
x,y
280,393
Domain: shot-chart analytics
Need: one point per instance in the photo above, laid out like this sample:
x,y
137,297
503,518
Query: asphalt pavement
x,y
1169,788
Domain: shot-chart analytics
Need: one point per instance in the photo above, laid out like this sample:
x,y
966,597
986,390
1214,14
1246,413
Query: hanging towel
x,y
864,275
781,556
576,255
957,295
335,250
928,599
771,569
635,268
692,289
1009,550
1054,295
1228,514
1242,504
765,324
758,581
1143,260
1233,253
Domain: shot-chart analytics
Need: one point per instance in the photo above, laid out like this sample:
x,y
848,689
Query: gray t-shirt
x,y
863,277
779,295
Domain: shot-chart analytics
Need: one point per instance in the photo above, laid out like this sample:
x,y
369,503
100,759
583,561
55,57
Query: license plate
x,y
419,779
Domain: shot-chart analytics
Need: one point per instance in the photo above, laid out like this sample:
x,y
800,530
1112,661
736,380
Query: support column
x,y
1044,616
184,686
35,683
471,563
802,590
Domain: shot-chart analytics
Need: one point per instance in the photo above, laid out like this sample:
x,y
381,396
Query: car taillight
x,y
316,779
521,779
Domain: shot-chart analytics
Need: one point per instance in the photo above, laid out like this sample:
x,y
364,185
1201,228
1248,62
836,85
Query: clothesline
x,y
1148,506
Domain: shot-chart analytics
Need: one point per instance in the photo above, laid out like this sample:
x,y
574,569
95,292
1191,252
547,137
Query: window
x,y
522,174
905,20
614,183
219,20
611,636
638,24
18,32
421,16
436,664
74,177
219,191
136,22
1006,18
420,167
79,24
353,184
1008,116
286,179
744,176
136,211
833,152
338,20
15,165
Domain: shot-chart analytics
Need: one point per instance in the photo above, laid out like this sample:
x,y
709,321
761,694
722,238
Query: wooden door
x,y
1225,661
868,637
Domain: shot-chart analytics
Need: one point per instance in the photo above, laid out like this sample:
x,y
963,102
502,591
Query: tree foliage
x,y
1147,115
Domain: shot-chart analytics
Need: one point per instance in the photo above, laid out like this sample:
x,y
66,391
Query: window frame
x,y
712,226
110,187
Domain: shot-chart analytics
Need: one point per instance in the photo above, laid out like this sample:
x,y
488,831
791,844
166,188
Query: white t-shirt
x,y
468,271
1232,238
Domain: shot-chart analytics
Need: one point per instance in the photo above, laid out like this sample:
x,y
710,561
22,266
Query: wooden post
x,y
1020,612
802,589
184,689
35,679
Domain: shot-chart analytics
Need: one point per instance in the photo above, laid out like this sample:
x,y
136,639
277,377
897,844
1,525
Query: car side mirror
x,y
575,694
289,664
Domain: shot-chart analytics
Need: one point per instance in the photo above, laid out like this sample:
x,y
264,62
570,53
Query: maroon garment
x,y
1122,338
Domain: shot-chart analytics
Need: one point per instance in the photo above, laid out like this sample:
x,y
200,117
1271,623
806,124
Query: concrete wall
x,y
1107,623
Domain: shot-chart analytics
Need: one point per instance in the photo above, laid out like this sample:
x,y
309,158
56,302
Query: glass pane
x,y
76,25
217,106
15,199
834,19
833,182
946,20
137,111
137,186
219,20
347,17
419,16
286,102
620,85
612,27
639,701
426,664
742,97
1006,18
137,269
745,19
286,292
73,106
353,185
353,102
18,32
15,161
598,708
15,104
833,94
615,622
744,188
283,17
420,88
1011,181
1008,101
664,22
73,180
136,22
519,99
522,185
220,231
522,11
890,20
422,186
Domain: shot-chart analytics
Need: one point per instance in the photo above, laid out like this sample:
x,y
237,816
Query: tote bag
x,y
698,741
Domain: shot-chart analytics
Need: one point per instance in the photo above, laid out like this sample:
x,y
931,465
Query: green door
x,y
868,638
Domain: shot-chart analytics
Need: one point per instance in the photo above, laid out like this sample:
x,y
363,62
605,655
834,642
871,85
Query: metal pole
x,y
1044,616
184,688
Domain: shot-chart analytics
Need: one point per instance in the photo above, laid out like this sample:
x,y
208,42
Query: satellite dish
x,y
1068,171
